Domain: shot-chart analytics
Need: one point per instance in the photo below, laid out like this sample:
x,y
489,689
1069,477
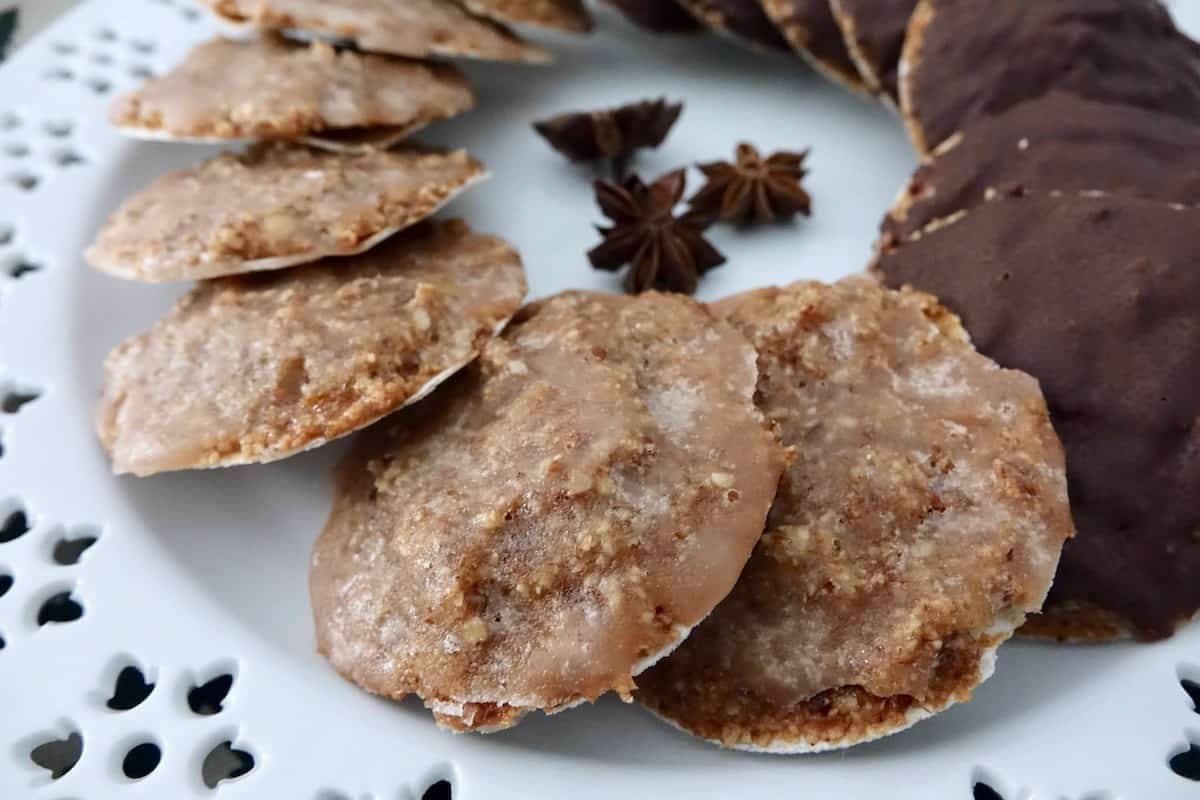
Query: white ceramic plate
x,y
198,575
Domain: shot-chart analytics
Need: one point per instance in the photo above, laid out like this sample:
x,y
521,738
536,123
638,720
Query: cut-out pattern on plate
x,y
6,583
141,760
208,698
60,608
981,791
58,756
23,179
100,63
225,762
15,525
442,790
69,549
130,691
1186,762
1192,688
13,400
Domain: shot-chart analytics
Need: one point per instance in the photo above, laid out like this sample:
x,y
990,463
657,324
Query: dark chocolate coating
x,y
1062,142
980,57
810,28
879,27
1098,298
660,16
743,19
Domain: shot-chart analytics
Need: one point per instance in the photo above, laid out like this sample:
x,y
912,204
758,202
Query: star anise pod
x,y
659,16
753,188
663,251
612,134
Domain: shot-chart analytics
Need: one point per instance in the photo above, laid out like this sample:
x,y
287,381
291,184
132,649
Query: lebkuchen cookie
x,y
1096,297
920,520
967,59
555,520
275,206
414,28
269,88
255,368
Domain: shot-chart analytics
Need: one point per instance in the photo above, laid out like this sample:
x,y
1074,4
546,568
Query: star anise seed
x,y
753,188
663,251
612,134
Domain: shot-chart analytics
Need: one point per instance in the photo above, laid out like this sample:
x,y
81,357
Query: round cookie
x,y
874,34
269,88
920,520
809,27
1099,299
966,59
742,20
255,368
413,28
557,521
1057,142
275,206
564,15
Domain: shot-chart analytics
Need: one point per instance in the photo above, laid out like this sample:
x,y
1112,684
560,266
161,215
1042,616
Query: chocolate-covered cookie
x,y
809,27
743,20
659,16
1061,142
919,521
874,34
1099,298
557,520
965,59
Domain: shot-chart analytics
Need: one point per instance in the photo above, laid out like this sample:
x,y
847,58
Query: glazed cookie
x,y
742,20
1059,141
255,368
1096,297
275,206
563,15
809,27
557,521
919,522
414,28
958,63
874,34
269,88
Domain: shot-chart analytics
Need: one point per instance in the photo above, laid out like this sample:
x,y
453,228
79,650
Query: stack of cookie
x,y
1056,210
325,303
